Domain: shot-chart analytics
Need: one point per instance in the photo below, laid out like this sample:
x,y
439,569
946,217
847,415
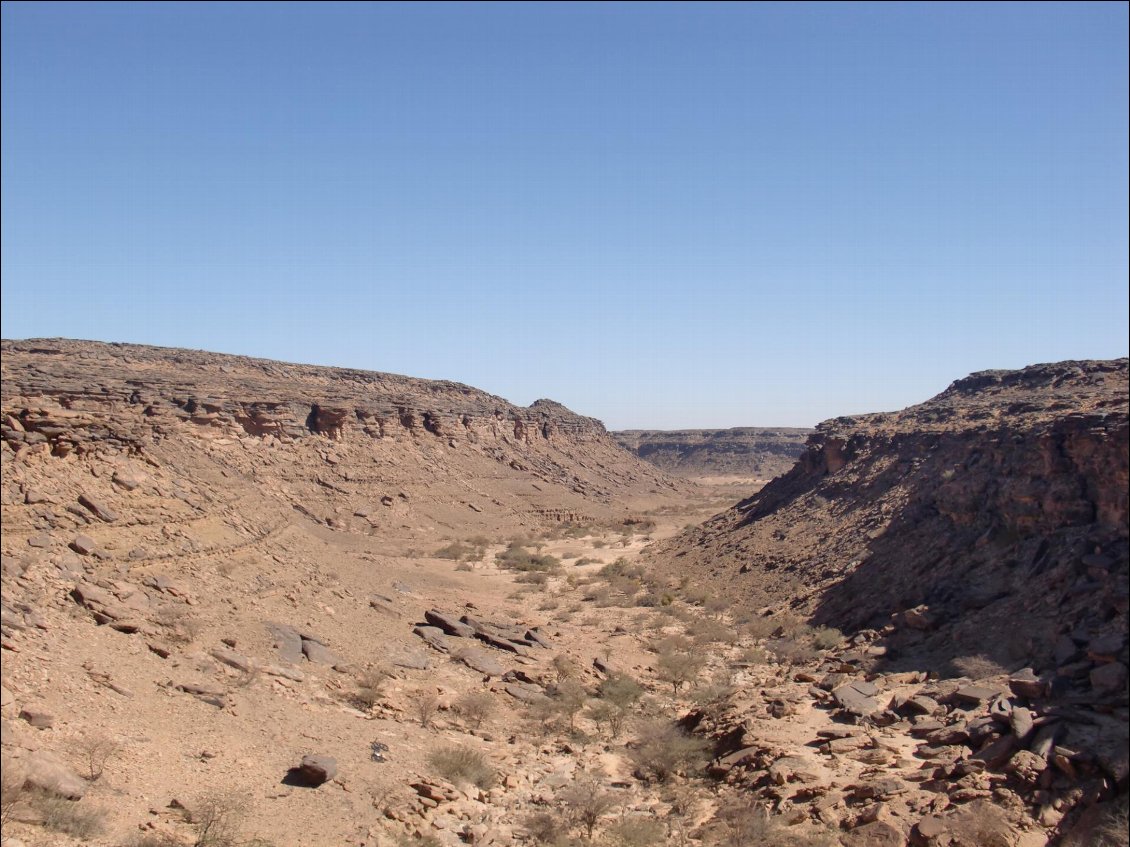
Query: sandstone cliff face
x,y
330,441
1000,504
749,452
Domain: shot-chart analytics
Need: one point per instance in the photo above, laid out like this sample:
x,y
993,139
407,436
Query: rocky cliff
x,y
1000,506
330,441
740,452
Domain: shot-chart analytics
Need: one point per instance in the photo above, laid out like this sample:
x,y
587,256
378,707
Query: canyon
x,y
305,605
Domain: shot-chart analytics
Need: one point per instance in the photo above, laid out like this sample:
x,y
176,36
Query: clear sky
x,y
660,215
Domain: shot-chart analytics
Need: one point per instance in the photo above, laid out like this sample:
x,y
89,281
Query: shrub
x,y
518,558
620,690
95,752
709,631
570,697
608,715
586,802
217,818
370,686
425,703
564,667
826,637
62,815
662,750
543,827
637,832
475,707
978,667
713,692
792,650
182,624
463,552
678,668
463,765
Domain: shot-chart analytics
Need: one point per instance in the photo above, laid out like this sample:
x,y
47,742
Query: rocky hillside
x,y
979,538
221,583
347,447
1003,498
759,453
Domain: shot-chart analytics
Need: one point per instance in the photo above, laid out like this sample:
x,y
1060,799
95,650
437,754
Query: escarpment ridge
x,y
758,453
326,432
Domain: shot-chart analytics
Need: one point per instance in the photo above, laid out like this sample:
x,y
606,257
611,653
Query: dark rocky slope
x,y
974,551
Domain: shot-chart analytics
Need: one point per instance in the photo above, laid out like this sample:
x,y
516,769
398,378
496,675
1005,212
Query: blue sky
x,y
662,216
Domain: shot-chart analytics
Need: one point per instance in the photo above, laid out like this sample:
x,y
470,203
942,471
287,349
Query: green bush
x,y
518,558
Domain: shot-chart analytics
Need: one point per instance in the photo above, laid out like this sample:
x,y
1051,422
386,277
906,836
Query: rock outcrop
x,y
337,445
978,541
741,452
990,519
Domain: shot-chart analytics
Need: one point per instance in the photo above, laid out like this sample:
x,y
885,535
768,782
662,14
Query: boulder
x,y
317,769
874,834
99,509
287,641
448,623
317,653
47,771
37,718
84,545
1109,678
858,698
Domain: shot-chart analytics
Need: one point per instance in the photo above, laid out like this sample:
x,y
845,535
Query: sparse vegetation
x,y
463,765
425,704
678,667
662,750
370,686
75,819
95,752
475,707
585,802
180,623
12,791
517,558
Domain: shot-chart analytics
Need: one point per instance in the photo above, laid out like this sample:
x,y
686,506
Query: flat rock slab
x,y
235,660
482,661
99,509
318,653
448,623
524,692
874,834
384,605
84,545
856,698
433,636
412,659
287,641
975,694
